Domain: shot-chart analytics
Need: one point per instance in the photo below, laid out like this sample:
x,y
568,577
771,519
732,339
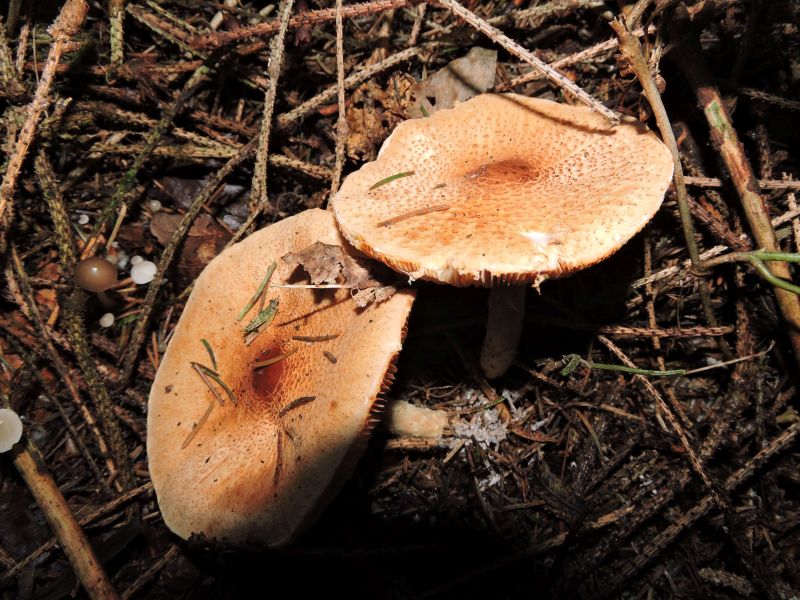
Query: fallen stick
x,y
87,567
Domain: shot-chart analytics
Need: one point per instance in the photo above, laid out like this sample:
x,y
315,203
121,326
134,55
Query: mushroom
x,y
95,274
10,429
257,459
503,191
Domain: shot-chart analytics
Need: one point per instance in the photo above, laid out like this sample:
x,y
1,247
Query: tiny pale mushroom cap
x,y
10,429
516,190
225,484
144,271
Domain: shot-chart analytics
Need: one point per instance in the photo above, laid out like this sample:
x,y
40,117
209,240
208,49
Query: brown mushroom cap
x,y
505,189
260,471
95,274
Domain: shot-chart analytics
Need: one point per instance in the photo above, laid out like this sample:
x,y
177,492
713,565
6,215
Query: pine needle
x,y
210,353
215,376
391,178
259,291
271,361
413,213
297,403
198,425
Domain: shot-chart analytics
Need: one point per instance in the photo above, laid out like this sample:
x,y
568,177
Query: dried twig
x,y
258,196
765,184
690,56
667,412
205,152
51,394
341,122
150,573
632,50
771,99
134,346
63,29
10,83
514,48
87,568
354,80
23,294
116,15
74,306
153,139
572,59
694,514
92,517
310,17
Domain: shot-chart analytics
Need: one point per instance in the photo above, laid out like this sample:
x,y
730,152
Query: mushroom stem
x,y
105,300
503,329
405,419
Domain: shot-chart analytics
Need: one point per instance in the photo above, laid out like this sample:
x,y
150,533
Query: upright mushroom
x,y
503,191
244,453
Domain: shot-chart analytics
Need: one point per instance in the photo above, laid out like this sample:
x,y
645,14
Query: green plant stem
x,y
575,360
758,258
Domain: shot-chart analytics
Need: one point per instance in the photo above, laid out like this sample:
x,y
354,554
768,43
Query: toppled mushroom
x,y
255,460
503,191
406,419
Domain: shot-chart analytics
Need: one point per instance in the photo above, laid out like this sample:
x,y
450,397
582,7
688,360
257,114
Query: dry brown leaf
x,y
328,264
205,240
460,80
379,294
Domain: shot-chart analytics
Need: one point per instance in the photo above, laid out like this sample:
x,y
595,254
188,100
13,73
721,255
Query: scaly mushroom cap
x,y
260,471
505,189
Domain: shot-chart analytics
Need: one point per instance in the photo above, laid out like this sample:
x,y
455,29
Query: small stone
x,y
154,205
107,320
143,272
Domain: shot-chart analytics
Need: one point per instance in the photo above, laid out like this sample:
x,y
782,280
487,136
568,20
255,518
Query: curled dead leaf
x,y
459,80
328,264
205,240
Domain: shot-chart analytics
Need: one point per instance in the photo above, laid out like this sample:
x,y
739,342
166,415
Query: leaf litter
x,y
329,264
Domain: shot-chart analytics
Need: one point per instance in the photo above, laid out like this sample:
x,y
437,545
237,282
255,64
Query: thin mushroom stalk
x,y
503,329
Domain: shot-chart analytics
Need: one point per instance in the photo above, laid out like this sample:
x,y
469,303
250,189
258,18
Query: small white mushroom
x,y
107,320
143,271
10,429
